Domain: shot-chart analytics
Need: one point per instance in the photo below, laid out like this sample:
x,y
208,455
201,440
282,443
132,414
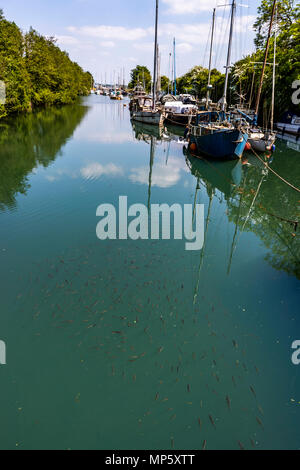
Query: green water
x,y
136,344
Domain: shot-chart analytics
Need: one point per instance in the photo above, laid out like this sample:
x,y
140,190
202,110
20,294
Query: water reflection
x,y
32,140
257,202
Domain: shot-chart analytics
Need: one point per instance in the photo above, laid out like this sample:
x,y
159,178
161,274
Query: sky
x,y
108,37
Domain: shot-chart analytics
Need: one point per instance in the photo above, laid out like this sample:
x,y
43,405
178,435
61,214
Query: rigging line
x,y
275,173
218,37
249,213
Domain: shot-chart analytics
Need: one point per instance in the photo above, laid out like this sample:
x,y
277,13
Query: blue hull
x,y
226,145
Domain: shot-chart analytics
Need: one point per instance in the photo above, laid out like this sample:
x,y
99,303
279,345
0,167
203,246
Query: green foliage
x,y
142,75
36,72
164,83
287,59
195,82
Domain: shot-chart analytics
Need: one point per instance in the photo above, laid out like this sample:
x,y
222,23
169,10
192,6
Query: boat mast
x,y
175,86
274,76
155,58
210,58
169,82
233,12
264,63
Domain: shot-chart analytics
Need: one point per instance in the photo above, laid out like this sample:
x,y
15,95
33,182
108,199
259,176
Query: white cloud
x,y
179,7
67,40
110,32
96,170
184,47
108,44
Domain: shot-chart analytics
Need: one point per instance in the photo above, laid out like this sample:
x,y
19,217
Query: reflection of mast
x,y
236,228
234,245
152,152
211,197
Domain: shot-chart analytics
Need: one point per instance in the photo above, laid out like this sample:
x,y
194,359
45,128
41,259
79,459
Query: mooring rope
x,y
274,172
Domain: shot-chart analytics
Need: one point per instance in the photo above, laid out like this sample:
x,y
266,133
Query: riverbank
x,y
36,72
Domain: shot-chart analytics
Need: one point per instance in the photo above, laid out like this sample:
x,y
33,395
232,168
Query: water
x,y
136,344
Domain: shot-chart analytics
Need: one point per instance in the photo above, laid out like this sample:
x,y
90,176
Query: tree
x,y
142,75
195,82
35,71
165,83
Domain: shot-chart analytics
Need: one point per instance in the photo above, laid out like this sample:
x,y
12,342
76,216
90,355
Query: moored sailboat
x,y
214,135
144,108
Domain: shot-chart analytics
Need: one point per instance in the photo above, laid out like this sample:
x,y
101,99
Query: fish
x,y
200,422
228,402
235,344
204,445
241,445
253,391
259,422
188,388
212,421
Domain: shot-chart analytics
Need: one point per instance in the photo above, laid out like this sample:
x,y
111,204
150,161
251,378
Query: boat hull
x,y
289,128
225,145
262,144
148,117
180,119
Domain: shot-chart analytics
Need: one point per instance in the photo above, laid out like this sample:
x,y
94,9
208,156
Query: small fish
x,y
252,442
204,445
241,445
253,391
259,422
228,402
200,423
212,421
188,388
261,410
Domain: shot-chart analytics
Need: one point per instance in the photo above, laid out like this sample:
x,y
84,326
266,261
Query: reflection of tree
x,y
259,202
27,141
271,213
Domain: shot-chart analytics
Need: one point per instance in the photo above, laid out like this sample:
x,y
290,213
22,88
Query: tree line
x,y
245,74
36,72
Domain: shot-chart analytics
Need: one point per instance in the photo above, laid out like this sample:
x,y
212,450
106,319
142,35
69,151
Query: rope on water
x,y
274,172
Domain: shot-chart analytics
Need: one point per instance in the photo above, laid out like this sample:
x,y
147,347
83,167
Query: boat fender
x,y
273,148
248,146
193,147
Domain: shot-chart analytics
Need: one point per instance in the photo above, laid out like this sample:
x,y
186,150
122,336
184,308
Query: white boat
x,y
290,123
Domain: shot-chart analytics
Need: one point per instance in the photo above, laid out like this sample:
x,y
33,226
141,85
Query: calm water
x,y
137,344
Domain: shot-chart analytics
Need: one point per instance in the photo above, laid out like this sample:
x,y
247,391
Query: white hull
x,y
290,128
149,117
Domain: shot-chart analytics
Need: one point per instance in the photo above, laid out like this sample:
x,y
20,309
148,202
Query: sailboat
x,y
262,141
214,135
144,108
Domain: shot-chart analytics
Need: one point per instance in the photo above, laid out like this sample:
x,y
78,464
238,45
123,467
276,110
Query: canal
x,y
124,344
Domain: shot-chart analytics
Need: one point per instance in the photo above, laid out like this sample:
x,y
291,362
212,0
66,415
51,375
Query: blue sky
x,y
107,36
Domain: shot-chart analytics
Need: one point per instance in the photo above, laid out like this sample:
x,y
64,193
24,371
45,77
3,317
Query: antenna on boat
x,y
265,62
175,85
210,58
233,12
155,57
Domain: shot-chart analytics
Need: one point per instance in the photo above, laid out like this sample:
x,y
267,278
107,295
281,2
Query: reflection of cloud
x,y
162,176
105,137
96,170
